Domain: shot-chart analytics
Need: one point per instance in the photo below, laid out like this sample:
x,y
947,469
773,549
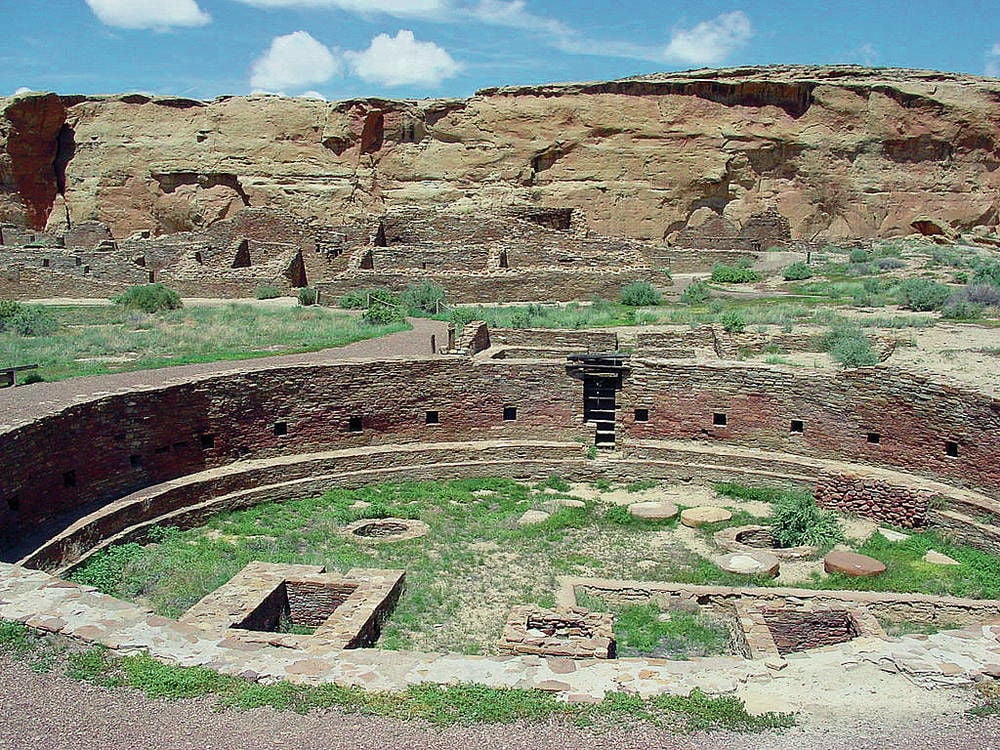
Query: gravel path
x,y
44,712
30,402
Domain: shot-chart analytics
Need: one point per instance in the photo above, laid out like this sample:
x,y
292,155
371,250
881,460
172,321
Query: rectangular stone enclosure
x,y
265,601
575,633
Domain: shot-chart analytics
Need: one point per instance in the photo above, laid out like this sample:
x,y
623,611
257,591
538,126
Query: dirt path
x,y
28,402
44,712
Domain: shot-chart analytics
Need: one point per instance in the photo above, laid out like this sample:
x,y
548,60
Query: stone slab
x,y
750,563
852,564
653,511
695,517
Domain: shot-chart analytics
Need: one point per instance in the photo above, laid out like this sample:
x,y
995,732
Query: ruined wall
x,y
874,499
89,453
842,415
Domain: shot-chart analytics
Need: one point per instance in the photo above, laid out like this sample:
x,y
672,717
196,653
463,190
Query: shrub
x,y
849,346
267,292
981,294
723,274
797,520
149,298
32,377
424,297
640,294
798,271
8,309
888,264
31,320
696,293
308,296
733,322
960,309
923,295
382,314
987,273
859,256
354,300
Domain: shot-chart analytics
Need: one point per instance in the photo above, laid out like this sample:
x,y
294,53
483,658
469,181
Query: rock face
x,y
838,152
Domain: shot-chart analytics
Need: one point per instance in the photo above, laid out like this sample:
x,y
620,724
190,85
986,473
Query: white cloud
x,y
149,14
22,90
363,7
515,14
993,61
710,42
402,60
294,61
866,54
312,95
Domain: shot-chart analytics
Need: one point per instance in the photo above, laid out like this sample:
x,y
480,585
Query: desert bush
x,y
798,271
308,296
8,309
797,520
986,295
960,309
30,320
149,298
424,297
849,346
859,256
923,295
889,264
987,273
696,293
267,291
381,314
733,322
723,274
640,294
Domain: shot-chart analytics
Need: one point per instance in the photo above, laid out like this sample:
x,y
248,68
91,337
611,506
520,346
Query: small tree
x,y
308,296
923,295
733,322
723,274
797,520
424,297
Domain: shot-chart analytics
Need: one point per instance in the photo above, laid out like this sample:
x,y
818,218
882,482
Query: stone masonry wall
x,y
874,499
91,452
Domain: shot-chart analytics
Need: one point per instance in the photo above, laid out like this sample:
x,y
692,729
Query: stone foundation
x,y
574,633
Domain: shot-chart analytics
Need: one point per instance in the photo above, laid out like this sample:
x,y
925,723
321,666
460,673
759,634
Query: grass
x,y
977,577
93,340
438,706
645,630
462,577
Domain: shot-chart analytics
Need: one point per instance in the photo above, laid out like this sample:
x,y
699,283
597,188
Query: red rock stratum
x,y
840,151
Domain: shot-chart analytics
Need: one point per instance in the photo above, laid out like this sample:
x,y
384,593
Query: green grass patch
x,y
93,340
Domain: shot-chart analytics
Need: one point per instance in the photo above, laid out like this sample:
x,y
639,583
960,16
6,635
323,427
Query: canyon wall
x,y
841,152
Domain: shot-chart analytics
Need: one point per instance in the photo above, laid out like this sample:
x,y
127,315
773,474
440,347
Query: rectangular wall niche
x,y
874,438
642,415
354,424
432,417
797,426
510,414
281,428
951,449
719,419
206,441
69,478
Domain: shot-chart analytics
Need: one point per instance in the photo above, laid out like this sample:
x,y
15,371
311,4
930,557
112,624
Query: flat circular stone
x,y
750,564
653,511
852,564
695,517
531,517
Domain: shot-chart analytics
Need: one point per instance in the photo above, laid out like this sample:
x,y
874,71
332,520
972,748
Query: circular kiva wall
x,y
876,441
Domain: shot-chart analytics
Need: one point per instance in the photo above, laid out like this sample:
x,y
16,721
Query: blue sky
x,y
429,48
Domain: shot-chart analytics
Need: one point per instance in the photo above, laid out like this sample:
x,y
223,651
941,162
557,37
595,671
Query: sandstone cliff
x,y
841,151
